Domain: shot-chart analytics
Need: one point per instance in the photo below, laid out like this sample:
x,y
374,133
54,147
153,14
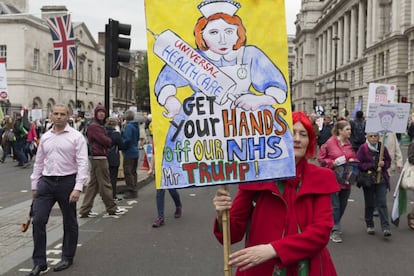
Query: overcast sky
x,y
95,14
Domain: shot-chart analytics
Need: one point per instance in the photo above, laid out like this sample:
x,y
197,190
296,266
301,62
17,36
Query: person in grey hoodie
x,y
130,138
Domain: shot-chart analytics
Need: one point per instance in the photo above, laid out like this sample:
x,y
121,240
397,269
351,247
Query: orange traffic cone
x,y
145,164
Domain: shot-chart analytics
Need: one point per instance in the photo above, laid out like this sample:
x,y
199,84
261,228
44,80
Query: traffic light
x,y
118,46
404,99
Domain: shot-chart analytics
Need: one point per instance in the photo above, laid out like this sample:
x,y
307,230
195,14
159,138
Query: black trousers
x,y
52,189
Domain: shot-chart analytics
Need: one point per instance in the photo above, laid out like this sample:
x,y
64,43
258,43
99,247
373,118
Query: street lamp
x,y
335,107
76,73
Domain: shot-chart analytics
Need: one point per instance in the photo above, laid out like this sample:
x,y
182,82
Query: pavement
x,y
17,246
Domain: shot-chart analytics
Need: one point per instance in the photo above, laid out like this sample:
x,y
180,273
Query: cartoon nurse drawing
x,y
386,119
220,37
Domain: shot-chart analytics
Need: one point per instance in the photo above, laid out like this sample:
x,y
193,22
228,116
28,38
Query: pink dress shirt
x,y
60,154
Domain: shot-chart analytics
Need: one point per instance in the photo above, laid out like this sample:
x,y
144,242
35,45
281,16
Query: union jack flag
x,y
63,42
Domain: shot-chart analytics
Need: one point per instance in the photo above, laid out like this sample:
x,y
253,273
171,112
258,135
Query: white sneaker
x,y
336,236
121,210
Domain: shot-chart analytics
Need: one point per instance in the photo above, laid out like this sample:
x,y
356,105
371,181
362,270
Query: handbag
x,y
365,179
407,180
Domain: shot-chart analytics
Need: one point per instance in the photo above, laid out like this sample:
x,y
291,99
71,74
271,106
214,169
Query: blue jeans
x,y
376,196
339,202
161,200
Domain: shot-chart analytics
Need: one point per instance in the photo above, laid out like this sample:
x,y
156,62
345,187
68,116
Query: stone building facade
x,y
343,45
26,44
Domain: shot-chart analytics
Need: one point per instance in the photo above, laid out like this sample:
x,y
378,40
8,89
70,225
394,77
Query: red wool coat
x,y
276,218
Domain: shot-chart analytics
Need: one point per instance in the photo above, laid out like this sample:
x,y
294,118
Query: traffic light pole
x,y
107,67
116,50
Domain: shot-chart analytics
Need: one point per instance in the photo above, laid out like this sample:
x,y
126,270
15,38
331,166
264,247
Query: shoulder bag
x,y
407,180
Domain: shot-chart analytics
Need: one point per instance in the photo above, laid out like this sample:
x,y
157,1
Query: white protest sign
x,y
3,80
381,93
36,114
387,117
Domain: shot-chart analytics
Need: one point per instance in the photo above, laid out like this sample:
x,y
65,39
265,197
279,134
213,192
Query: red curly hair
x,y
233,20
301,117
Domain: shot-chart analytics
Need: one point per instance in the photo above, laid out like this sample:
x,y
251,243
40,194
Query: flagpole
x,y
76,74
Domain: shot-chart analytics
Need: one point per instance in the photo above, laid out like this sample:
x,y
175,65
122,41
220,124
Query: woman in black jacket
x,y
111,128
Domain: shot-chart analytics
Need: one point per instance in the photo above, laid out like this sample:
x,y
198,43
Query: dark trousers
x,y
113,175
130,173
51,190
19,147
376,197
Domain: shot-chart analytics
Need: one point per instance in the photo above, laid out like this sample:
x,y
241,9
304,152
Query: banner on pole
x,y
4,95
221,110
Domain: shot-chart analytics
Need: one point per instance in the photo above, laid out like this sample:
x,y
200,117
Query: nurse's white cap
x,y
210,7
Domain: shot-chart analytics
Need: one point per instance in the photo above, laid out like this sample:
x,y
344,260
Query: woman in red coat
x,y
291,221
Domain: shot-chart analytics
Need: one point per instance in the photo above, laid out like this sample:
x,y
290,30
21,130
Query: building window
x,y
374,66
98,76
3,51
352,84
36,57
387,62
411,53
90,76
361,76
345,76
50,63
80,74
381,64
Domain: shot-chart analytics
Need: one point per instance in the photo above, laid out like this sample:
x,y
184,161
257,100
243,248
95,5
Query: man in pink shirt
x,y
59,174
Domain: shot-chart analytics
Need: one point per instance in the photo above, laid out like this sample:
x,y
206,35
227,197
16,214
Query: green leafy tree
x,y
142,86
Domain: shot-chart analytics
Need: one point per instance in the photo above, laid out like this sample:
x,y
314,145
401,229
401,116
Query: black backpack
x,y
358,131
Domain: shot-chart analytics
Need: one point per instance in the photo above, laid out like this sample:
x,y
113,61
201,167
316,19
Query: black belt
x,y
57,178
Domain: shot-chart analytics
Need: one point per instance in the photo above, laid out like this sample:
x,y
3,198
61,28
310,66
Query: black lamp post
x,y
291,84
335,107
76,74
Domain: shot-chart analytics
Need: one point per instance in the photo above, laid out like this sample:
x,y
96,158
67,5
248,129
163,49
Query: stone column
x,y
346,37
324,52
320,55
353,33
361,29
369,23
375,21
412,13
329,50
396,14
340,41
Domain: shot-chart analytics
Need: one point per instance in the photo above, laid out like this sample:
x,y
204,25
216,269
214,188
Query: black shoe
x,y
37,269
62,265
130,195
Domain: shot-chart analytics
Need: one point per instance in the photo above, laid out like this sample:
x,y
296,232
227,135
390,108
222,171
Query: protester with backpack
x,y
8,137
113,153
357,130
20,129
99,181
